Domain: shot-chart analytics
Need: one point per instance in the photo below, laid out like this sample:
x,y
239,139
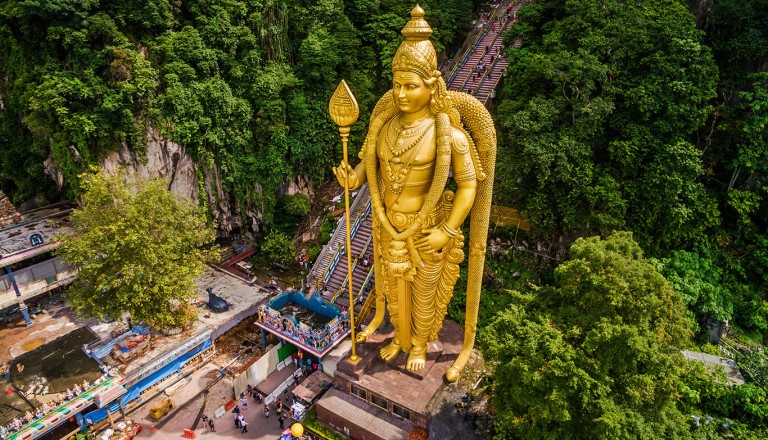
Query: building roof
x,y
17,241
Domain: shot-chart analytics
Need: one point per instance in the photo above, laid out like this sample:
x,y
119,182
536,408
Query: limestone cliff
x,y
169,160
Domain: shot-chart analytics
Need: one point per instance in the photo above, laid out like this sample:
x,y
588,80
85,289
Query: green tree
x,y
279,248
138,249
596,355
297,204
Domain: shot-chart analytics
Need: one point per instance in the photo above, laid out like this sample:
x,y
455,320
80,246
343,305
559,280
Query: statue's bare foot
x,y
390,351
362,336
416,359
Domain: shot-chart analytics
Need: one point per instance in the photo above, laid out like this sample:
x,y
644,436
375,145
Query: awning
x,y
27,253
313,386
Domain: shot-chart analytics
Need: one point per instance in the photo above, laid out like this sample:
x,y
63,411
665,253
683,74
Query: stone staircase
x,y
330,256
359,274
487,48
336,285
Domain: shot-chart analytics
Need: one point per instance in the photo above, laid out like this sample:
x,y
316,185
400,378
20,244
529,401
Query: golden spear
x,y
344,112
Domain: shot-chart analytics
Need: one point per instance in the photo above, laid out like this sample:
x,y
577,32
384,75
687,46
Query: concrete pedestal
x,y
390,391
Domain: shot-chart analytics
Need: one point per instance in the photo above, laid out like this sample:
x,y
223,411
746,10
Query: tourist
x,y
259,397
249,390
236,418
205,423
244,424
210,425
266,411
243,401
279,406
282,422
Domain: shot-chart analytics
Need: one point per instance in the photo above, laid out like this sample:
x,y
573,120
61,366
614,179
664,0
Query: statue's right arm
x,y
357,175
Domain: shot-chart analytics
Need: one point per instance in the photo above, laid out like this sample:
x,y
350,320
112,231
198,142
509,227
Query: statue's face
x,y
411,93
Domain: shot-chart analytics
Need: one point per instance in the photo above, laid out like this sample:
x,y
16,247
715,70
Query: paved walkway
x,y
259,427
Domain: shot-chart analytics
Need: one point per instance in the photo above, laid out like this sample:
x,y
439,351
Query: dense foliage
x,y
243,85
596,355
137,250
603,103
625,116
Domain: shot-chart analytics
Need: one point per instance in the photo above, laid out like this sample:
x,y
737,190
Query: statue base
x,y
386,389
434,351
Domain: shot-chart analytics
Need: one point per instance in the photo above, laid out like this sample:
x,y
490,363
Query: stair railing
x,y
343,247
489,71
354,266
337,238
370,300
468,51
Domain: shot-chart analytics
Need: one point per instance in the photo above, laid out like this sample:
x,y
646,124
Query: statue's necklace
x,y
399,148
398,173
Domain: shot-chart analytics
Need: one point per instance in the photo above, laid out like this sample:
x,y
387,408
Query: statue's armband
x,y
463,167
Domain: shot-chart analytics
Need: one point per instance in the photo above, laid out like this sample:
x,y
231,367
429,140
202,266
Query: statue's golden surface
x,y
420,134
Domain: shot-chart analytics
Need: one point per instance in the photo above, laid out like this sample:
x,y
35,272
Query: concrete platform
x,y
357,419
412,391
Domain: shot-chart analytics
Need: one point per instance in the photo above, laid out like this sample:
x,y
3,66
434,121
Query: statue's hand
x,y
340,172
433,239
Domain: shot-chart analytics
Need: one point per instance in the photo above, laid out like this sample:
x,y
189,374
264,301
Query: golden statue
x,y
419,135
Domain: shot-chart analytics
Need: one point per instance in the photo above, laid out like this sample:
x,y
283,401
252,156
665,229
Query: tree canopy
x,y
137,250
242,85
596,355
599,118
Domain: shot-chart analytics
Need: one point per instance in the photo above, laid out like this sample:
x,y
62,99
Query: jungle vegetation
x,y
634,134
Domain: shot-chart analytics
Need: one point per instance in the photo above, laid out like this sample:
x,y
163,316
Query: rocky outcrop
x,y
701,9
8,214
300,184
171,161
168,160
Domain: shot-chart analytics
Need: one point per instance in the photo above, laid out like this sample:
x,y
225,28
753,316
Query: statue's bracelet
x,y
448,230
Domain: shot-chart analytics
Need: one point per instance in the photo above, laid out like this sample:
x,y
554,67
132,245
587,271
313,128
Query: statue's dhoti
x,y
417,284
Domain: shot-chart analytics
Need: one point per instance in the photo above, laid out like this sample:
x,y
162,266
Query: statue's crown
x,y
416,53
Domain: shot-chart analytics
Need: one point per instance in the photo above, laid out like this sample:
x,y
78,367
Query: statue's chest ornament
x,y
406,139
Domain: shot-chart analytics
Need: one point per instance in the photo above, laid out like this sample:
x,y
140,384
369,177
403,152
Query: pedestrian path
x,y
481,66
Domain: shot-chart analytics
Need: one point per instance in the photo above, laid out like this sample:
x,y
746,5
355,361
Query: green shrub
x,y
311,423
278,247
297,204
312,253
326,229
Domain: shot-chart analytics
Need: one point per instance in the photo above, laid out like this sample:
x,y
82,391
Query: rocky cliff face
x,y
169,160
700,9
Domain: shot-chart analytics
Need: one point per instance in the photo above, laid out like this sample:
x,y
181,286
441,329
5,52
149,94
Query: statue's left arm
x,y
466,180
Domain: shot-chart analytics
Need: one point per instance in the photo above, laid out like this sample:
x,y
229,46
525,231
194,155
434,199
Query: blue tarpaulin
x,y
135,391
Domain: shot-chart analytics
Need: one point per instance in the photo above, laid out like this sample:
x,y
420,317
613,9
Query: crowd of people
x,y
489,54
61,399
242,407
